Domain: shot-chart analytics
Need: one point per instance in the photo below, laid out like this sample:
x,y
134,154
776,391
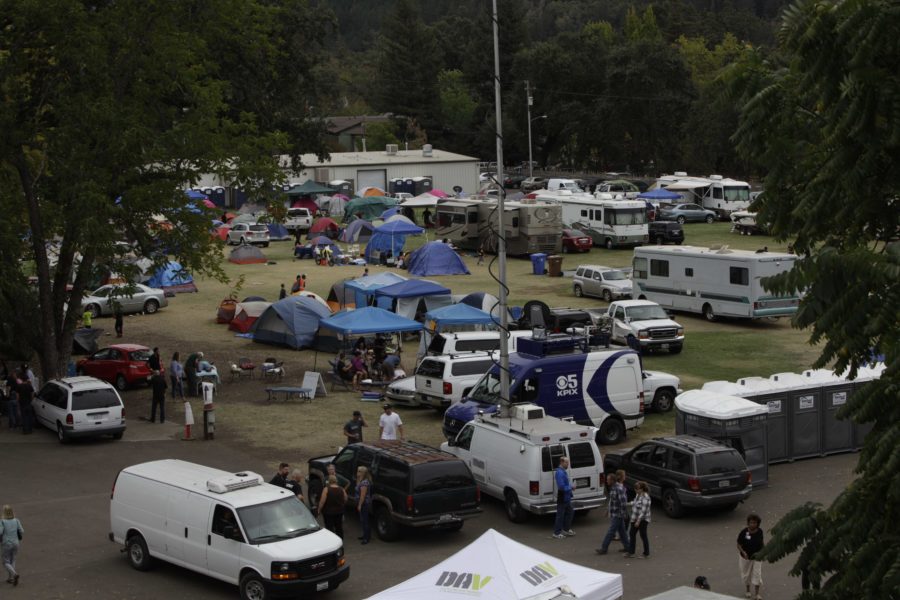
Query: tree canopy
x,y
822,119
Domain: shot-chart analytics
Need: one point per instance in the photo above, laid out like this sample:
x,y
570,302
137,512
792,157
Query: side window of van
x,y
640,268
581,454
223,517
464,439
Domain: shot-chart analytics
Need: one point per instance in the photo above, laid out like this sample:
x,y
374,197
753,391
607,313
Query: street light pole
x,y
528,106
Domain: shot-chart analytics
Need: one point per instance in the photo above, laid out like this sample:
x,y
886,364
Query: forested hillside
x,y
617,84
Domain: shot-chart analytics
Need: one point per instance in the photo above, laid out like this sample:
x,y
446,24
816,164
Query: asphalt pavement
x,y
61,494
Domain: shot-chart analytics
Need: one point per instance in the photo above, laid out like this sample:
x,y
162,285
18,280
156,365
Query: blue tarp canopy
x,y
457,314
659,195
412,288
370,319
436,258
398,227
362,287
291,322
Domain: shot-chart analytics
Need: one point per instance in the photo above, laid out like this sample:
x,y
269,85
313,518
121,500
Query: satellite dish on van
x,y
457,188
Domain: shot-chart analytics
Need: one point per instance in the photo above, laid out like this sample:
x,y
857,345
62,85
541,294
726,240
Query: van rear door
x,y
585,468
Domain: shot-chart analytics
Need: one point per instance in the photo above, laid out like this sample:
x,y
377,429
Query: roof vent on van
x,y
680,173
237,481
526,412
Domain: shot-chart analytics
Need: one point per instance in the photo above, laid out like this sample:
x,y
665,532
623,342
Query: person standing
x,y
11,534
297,286
617,502
390,424
280,478
15,415
562,528
176,375
749,542
295,484
87,319
120,321
155,362
364,502
640,519
332,505
353,428
282,293
158,385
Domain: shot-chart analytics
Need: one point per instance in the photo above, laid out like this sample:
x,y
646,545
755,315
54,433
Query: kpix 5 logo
x,y
463,581
567,385
539,573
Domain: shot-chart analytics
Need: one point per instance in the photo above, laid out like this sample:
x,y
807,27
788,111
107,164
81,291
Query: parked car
x,y
644,323
445,379
601,282
685,471
413,485
298,219
131,298
684,213
402,392
249,233
80,407
121,364
486,177
575,240
663,232
512,181
530,184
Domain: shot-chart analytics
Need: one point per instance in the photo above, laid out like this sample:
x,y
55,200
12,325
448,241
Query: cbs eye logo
x,y
569,382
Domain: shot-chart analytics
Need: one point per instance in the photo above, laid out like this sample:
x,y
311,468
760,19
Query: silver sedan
x,y
131,298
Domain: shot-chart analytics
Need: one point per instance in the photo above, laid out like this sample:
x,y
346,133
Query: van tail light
x,y
641,406
694,484
123,411
534,488
410,505
448,388
70,420
478,494
749,478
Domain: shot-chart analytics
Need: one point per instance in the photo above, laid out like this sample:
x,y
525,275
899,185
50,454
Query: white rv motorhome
x,y
610,223
713,282
715,192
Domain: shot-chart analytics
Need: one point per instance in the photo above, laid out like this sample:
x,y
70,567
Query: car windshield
x,y
576,233
614,276
298,212
143,355
487,390
101,293
279,520
717,463
646,313
94,399
437,476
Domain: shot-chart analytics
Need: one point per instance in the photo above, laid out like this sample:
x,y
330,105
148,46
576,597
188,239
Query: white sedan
x,y
130,298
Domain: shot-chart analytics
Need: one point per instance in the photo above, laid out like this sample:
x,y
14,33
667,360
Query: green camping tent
x,y
367,208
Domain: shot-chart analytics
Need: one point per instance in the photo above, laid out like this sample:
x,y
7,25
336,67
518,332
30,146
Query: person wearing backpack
x,y
11,534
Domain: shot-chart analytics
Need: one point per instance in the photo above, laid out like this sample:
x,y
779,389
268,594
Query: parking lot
x,y
61,493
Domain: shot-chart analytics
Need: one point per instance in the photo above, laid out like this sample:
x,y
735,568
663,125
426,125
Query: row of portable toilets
x,y
781,418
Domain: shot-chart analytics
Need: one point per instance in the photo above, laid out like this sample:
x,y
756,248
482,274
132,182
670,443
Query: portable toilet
x,y
804,408
762,391
342,186
837,434
738,422
422,185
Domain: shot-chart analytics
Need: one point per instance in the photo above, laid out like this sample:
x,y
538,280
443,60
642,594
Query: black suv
x,y
685,471
413,485
665,232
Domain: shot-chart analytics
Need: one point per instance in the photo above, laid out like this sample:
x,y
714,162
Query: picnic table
x,y
300,393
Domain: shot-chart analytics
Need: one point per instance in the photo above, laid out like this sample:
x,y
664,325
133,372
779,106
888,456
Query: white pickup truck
x,y
298,218
646,323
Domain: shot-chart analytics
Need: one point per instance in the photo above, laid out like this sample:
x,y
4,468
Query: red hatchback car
x,y
574,240
119,364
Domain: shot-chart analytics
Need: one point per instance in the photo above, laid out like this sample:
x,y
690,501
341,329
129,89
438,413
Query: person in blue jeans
x,y
563,526
617,503
364,502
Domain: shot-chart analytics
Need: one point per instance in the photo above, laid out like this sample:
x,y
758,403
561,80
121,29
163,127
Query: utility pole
x,y
528,106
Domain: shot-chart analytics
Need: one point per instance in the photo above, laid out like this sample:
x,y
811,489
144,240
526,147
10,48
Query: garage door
x,y
374,178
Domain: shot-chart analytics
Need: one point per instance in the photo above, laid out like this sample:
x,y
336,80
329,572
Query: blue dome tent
x,y
291,322
436,258
278,232
173,279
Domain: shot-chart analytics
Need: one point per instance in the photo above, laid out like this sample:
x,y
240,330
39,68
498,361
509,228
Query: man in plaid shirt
x,y
618,500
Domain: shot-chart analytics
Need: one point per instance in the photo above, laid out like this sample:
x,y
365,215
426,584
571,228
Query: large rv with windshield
x,y
530,226
715,282
610,223
715,192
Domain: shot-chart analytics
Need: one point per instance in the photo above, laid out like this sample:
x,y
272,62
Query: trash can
x,y
554,265
537,263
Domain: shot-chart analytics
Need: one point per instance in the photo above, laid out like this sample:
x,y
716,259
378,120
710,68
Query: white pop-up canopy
x,y
423,199
496,567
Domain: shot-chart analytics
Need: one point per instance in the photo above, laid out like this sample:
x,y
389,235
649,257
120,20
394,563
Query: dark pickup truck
x,y
685,471
414,485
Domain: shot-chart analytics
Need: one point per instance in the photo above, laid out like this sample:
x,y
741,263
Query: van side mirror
x,y
452,442
228,532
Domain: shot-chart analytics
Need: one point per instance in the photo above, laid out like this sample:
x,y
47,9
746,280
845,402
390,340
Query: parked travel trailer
x,y
715,192
713,282
610,223
530,226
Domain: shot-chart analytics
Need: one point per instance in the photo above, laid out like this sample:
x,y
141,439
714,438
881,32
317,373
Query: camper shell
x,y
513,459
230,526
563,376
712,281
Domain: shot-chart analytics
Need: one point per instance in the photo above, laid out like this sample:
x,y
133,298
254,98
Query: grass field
x,y
292,432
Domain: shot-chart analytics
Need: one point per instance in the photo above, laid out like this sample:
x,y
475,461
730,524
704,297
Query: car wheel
x,y
710,218
121,383
680,219
675,349
385,526
514,510
607,295
663,401
609,244
708,313
612,431
578,292
151,306
671,503
94,310
61,434
252,587
138,555
117,436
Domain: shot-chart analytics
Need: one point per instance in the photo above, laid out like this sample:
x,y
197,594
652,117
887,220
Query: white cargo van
x,y
513,459
230,526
